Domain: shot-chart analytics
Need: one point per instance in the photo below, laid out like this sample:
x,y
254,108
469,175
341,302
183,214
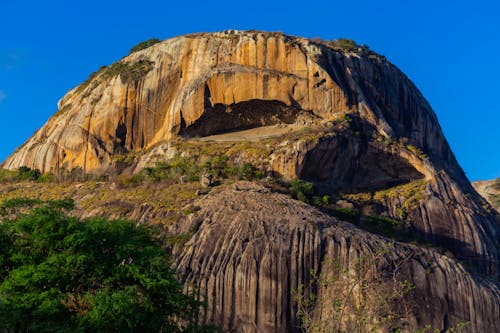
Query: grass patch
x,y
412,194
179,240
191,209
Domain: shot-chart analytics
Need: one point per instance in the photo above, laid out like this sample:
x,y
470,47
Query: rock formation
x,y
206,84
344,118
251,249
490,190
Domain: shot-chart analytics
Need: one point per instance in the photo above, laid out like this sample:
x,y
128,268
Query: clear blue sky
x,y
450,49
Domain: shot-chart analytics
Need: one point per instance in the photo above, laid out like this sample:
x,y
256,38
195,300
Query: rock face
x,y
361,130
208,83
251,249
490,190
205,84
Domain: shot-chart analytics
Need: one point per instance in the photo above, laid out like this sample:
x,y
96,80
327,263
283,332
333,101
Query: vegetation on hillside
x,y
370,295
60,274
24,174
129,72
145,44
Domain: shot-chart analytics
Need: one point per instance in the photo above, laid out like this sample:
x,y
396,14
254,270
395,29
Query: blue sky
x,y
449,49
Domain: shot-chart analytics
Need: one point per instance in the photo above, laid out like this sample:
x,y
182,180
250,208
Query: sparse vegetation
x,y
302,190
345,214
412,193
350,45
420,154
63,109
219,166
367,296
383,225
145,44
129,72
23,174
91,79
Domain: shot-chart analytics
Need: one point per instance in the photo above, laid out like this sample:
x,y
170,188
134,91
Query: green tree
x,y
145,44
60,274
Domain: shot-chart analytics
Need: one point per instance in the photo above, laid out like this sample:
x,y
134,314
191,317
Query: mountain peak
x,y
332,113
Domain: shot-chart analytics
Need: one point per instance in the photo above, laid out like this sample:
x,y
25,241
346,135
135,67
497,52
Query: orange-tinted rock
x,y
206,83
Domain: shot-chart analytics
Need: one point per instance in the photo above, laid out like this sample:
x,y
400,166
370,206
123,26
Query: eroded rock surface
x,y
251,249
360,127
490,190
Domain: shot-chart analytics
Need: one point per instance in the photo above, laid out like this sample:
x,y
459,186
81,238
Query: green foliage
x,y
345,214
145,44
179,240
320,201
129,72
412,194
350,45
249,172
218,165
172,170
60,274
24,174
12,205
347,44
302,190
8,175
382,225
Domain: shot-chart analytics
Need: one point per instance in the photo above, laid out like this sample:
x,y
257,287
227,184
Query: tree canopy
x,y
61,274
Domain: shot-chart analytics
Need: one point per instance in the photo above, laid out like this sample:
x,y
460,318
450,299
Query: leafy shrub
x,y
345,214
60,274
347,44
26,173
23,174
145,44
320,201
249,172
219,166
383,225
129,72
302,190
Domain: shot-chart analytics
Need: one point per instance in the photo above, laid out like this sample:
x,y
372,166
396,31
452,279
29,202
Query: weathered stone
x,y
490,190
252,248
206,180
344,204
207,84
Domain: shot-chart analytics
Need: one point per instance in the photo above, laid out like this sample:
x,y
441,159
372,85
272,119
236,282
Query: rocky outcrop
x,y
251,249
360,127
490,190
207,83
380,131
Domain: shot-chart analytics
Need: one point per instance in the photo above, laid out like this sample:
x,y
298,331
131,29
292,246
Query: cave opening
x,y
350,165
221,118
